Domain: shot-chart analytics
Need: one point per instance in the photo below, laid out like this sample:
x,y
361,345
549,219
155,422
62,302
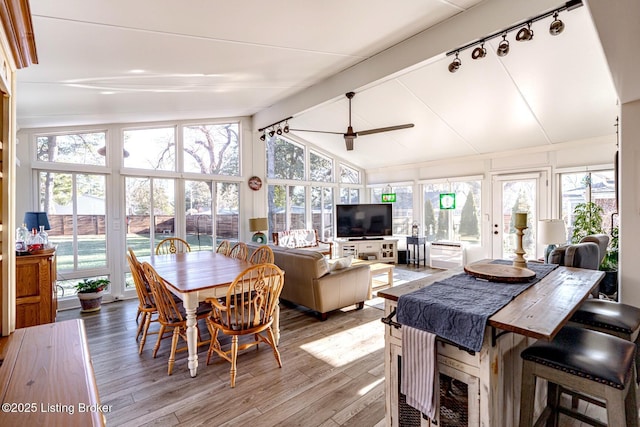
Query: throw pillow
x,y
342,263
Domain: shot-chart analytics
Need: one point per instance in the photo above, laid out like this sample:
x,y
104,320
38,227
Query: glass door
x,y
513,194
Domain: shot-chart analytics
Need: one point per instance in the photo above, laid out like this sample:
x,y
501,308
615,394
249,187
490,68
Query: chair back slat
x,y
139,280
168,310
262,255
239,251
224,247
172,245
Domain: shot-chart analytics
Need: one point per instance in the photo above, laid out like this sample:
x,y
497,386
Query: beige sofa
x,y
308,280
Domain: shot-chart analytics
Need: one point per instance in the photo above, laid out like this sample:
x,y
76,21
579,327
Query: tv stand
x,y
380,248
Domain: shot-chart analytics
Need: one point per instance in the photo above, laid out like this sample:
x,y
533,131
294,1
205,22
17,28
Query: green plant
x,y
92,285
610,261
587,219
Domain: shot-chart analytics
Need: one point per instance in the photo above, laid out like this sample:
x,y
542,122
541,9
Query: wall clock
x,y
255,183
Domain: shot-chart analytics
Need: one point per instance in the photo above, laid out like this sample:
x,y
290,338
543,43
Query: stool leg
x,y
631,406
553,402
527,394
616,416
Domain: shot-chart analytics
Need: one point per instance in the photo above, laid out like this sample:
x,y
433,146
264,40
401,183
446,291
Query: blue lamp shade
x,y
36,219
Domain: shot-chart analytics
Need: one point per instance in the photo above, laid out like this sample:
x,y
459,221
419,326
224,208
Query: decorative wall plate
x,y
255,183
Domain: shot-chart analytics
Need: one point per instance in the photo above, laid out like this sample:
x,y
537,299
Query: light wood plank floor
x,y
332,374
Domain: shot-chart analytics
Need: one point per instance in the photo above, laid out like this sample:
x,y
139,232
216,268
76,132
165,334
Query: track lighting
x,y
274,128
503,47
557,26
479,52
525,33
455,65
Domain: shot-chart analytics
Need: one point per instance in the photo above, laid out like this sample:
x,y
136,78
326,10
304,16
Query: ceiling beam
x,y
429,45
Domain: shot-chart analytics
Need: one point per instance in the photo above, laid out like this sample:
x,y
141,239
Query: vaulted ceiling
x,y
119,61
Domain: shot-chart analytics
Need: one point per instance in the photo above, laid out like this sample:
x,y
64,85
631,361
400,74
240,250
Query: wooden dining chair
x,y
248,309
146,305
239,251
172,245
171,315
262,255
224,247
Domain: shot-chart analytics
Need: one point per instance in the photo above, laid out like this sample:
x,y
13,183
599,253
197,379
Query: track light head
x,y
271,133
525,33
285,129
503,47
479,52
455,65
279,130
557,26
263,136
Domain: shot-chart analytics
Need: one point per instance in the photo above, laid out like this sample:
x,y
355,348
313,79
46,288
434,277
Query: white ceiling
x,y
120,61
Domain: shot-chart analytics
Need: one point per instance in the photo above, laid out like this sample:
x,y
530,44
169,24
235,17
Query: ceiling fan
x,y
350,135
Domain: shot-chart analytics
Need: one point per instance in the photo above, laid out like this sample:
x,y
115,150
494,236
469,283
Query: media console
x,y
370,248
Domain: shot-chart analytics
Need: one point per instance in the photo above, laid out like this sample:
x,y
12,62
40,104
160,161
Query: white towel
x,y
419,369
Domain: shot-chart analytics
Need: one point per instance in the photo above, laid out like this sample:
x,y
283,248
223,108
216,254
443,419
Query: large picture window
x,y
153,149
212,149
402,207
285,159
80,148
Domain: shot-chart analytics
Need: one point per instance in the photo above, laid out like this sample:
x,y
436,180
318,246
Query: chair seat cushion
x,y
589,354
608,315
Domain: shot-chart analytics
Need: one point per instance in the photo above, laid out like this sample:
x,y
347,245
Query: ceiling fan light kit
x,y
525,33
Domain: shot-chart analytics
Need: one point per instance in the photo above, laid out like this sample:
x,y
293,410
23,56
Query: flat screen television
x,y
364,220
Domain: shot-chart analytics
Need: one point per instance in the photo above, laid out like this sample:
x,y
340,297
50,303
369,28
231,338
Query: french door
x,y
517,193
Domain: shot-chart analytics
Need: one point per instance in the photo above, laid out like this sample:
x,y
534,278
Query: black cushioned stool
x,y
589,362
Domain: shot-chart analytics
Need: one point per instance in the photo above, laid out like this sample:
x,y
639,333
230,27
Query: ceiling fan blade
x,y
316,131
386,129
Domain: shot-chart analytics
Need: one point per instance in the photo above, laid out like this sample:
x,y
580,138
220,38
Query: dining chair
x,y
262,255
146,305
172,245
171,315
224,247
247,309
239,251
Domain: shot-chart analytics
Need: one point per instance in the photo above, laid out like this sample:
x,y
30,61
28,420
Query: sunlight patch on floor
x,y
337,349
369,387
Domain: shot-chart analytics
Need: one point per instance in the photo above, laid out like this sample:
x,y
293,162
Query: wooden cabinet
x,y
36,298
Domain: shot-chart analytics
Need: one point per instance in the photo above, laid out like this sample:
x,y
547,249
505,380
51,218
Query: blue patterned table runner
x,y
458,307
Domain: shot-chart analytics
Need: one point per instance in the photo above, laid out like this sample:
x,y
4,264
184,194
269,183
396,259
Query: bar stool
x,y
588,362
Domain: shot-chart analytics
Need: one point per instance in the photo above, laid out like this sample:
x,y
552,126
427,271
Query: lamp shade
x,y
258,224
551,231
36,219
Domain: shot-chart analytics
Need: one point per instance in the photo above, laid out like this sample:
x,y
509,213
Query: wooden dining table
x,y
196,276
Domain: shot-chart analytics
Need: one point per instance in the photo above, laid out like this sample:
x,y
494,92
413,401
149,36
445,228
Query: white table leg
x,y
190,302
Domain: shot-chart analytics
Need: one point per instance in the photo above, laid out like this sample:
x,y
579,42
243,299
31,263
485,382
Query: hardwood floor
x,y
332,373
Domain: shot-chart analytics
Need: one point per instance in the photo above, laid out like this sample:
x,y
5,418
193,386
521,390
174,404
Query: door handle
x,y
496,232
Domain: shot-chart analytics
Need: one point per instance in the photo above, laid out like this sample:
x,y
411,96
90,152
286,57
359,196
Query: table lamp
x,y
551,232
36,219
257,225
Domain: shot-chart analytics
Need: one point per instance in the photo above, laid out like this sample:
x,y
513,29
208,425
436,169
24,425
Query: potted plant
x,y
587,219
609,285
90,293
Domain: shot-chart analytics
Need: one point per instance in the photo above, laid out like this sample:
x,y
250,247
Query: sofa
x,y
310,281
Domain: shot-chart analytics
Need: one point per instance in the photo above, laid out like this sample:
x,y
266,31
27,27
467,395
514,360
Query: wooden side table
x,y
416,242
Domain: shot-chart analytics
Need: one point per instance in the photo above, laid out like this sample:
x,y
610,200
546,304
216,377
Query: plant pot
x,y
90,301
609,283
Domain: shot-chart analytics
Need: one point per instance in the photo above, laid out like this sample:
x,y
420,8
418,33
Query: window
x,y
349,175
320,168
322,211
285,159
76,206
152,149
286,207
581,187
349,196
402,207
212,149
81,149
462,221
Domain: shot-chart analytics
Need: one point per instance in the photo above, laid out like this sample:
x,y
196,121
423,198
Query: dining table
x,y
196,276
